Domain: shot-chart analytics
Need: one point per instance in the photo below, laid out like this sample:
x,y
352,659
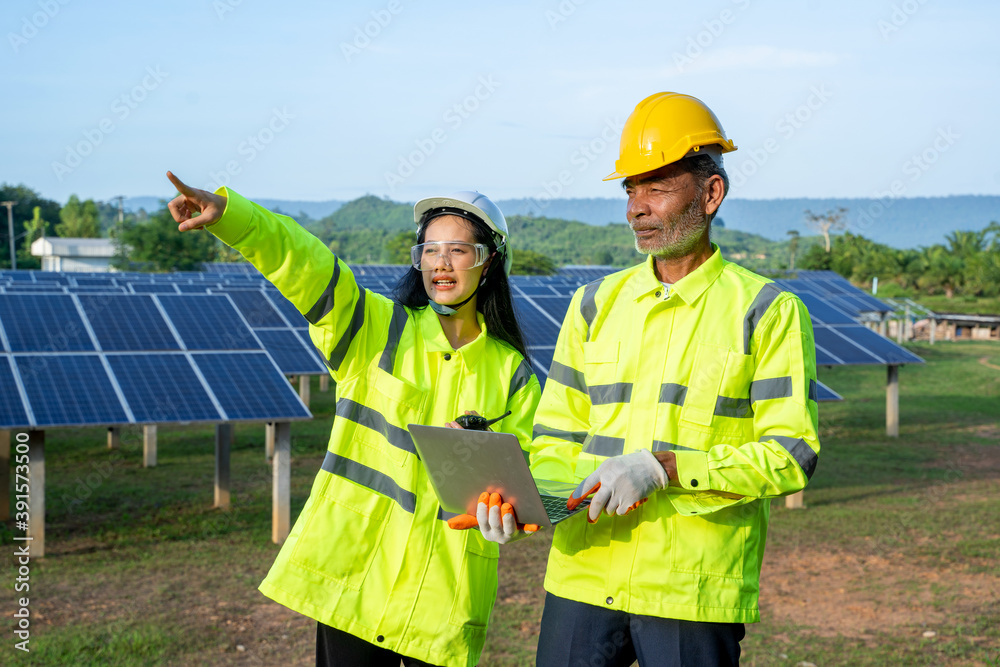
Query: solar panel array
x,y
260,303
138,358
837,309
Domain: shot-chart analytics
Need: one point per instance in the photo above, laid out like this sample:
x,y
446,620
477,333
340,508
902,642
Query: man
x,y
687,382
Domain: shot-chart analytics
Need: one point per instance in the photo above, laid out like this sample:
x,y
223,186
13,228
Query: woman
x,y
371,557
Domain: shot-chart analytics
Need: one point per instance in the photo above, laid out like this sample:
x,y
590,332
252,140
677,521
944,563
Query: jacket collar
x,y
690,287
435,341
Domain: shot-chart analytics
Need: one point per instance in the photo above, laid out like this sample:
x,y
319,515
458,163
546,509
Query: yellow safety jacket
x,y
371,553
720,369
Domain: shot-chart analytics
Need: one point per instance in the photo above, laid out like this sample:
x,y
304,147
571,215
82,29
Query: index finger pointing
x,y
179,184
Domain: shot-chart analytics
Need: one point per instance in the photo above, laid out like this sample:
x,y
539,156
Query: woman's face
x,y
445,284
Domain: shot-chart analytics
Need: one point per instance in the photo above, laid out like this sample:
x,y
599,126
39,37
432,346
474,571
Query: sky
x,y
402,99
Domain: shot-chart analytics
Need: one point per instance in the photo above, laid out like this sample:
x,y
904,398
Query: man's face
x,y
666,212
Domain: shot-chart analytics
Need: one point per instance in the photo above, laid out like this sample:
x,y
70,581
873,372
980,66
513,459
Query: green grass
x,y
142,571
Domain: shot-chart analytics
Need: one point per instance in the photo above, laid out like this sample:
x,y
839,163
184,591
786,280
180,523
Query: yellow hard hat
x,y
664,128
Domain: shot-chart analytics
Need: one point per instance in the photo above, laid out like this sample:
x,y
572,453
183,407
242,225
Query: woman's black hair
x,y
493,299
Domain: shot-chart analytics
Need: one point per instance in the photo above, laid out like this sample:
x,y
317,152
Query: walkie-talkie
x,y
478,423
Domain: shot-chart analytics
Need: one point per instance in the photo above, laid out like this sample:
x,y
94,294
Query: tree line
x,y
966,264
371,229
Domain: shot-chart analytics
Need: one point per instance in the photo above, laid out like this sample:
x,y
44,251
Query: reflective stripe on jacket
x,y
720,369
371,553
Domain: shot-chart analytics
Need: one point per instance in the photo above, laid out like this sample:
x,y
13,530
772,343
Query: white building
x,y
69,254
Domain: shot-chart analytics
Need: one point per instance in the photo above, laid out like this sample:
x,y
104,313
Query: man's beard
x,y
679,235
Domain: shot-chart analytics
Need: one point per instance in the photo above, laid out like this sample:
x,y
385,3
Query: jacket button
x,y
380,639
447,357
658,294
694,482
610,600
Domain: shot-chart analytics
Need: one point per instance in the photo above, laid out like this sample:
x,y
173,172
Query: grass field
x,y
894,561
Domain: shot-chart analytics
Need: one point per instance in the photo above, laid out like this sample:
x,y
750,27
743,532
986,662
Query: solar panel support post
x,y
269,441
36,484
933,322
114,437
892,402
324,383
304,389
5,473
149,446
795,501
907,324
223,439
881,325
281,486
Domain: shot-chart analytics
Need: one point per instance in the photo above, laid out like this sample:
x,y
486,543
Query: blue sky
x,y
406,99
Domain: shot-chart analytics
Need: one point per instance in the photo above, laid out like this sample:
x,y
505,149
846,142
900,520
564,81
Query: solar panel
x,y
541,361
882,348
825,394
208,322
256,309
555,306
161,388
124,322
43,323
538,329
66,390
823,312
249,387
154,288
196,288
12,412
287,309
536,290
288,351
841,348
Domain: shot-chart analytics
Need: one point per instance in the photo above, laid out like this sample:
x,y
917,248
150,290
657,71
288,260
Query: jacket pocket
x,y
717,400
477,587
710,546
341,536
391,405
600,363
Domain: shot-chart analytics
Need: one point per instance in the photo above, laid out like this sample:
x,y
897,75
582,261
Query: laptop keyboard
x,y
555,507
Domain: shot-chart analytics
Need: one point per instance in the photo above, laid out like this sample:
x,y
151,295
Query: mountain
x,y
901,223
313,209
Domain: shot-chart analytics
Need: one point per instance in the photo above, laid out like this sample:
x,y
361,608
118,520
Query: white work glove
x,y
496,520
626,481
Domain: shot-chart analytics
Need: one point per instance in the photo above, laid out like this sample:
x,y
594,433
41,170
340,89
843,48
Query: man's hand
x,y
194,208
625,481
496,520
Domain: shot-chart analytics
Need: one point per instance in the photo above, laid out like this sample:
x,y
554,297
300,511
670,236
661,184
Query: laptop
x,y
463,463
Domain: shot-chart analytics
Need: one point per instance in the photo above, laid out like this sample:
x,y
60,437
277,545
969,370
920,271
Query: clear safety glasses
x,y
456,255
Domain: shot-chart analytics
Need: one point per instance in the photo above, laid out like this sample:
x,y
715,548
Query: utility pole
x,y
10,227
121,210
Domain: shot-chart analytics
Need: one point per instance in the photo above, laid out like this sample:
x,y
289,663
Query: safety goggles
x,y
456,255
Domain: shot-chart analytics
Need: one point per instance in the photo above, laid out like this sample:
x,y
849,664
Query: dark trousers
x,y
335,648
575,634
